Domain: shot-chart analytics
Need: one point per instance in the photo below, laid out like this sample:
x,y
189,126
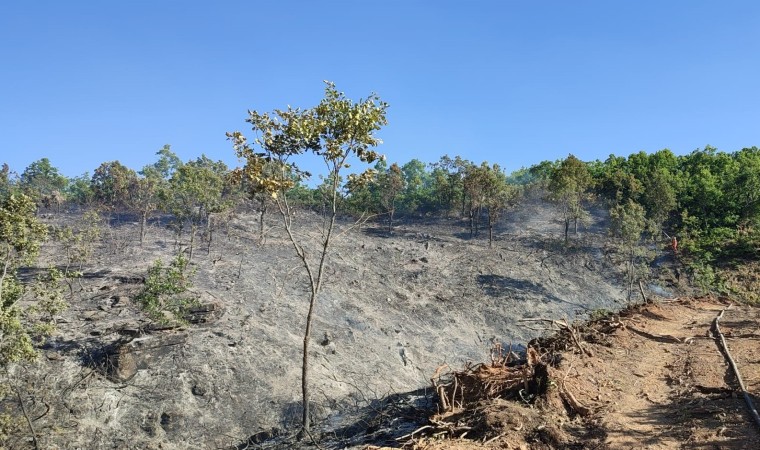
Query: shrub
x,y
162,296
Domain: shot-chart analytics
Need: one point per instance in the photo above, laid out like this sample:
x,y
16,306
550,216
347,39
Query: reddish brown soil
x,y
653,377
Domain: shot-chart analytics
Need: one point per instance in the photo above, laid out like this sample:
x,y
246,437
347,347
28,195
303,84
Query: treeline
x,y
709,200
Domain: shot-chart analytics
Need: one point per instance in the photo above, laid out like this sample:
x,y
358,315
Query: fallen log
x,y
747,399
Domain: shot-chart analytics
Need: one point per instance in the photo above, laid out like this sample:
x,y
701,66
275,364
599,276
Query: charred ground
x,y
395,307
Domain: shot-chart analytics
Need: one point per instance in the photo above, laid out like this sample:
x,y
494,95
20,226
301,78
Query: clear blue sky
x,y
512,82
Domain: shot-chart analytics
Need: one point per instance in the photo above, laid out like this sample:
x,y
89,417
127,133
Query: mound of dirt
x,y
653,376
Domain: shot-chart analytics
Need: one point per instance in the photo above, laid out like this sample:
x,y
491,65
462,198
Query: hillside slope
x,y
394,307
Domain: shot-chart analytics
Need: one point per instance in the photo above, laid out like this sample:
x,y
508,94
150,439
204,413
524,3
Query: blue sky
x,y
510,82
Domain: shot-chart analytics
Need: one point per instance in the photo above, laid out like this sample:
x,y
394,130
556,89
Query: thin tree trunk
x,y
261,219
567,229
472,223
315,281
477,219
490,230
192,240
210,229
630,276
143,220
23,410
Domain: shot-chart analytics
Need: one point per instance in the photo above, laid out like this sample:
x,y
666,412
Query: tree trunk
x,y
490,234
633,275
390,220
575,220
210,232
261,218
306,420
192,240
567,229
315,281
143,220
480,216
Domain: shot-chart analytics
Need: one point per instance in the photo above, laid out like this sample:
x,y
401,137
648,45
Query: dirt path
x,y
664,382
658,381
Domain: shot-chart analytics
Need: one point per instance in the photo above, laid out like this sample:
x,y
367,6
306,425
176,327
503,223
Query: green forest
x,y
709,200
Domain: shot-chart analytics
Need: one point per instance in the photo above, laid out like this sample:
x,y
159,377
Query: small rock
x,y
122,364
263,436
119,301
172,421
198,390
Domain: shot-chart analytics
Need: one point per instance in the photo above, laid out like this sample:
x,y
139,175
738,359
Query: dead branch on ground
x,y
747,399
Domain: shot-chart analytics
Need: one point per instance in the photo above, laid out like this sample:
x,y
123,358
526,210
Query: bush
x,y
161,298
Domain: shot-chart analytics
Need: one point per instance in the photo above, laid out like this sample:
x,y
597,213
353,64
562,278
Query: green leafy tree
x,y
745,190
569,185
615,182
79,243
42,181
168,163
627,223
498,195
21,235
447,184
472,187
417,186
6,181
658,199
145,197
258,194
336,130
165,297
391,185
195,192
79,190
487,188
110,185
542,172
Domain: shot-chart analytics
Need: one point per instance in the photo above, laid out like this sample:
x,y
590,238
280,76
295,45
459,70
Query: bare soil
x,y
652,377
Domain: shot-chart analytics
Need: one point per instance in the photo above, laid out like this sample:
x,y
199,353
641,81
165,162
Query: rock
x,y
262,436
91,316
128,355
198,390
150,424
204,313
172,421
119,301
122,365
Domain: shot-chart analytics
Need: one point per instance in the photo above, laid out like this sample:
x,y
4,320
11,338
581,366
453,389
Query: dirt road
x,y
658,380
